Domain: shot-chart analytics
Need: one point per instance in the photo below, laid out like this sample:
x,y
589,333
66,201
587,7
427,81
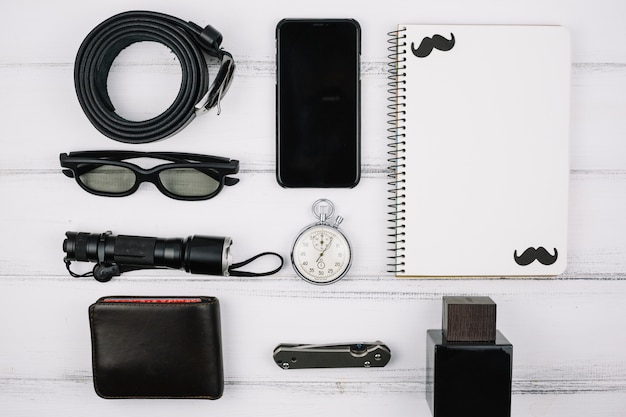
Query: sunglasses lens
x,y
106,178
190,182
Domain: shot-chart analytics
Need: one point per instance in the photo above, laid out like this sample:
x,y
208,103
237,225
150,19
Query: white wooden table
x,y
568,332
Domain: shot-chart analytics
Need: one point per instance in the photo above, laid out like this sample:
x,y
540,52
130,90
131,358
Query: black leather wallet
x,y
157,347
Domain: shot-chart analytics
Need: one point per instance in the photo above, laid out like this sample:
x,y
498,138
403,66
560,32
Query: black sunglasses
x,y
186,177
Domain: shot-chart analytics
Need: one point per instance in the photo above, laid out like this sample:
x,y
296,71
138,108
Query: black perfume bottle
x,y
469,362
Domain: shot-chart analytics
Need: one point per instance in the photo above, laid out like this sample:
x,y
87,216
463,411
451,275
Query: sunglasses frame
x,y
219,165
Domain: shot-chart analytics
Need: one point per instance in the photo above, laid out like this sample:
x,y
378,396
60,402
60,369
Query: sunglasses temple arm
x,y
230,181
78,171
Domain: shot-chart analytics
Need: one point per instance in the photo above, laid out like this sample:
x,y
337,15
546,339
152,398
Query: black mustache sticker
x,y
531,254
428,44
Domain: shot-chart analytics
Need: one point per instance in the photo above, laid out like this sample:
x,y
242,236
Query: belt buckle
x,y
220,86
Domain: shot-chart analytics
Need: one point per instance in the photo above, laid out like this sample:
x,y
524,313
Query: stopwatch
x,y
321,253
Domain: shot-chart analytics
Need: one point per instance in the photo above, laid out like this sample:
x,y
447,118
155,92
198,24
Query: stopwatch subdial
x,y
321,240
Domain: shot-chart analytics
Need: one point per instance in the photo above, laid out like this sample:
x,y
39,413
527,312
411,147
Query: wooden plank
x,y
595,250
597,123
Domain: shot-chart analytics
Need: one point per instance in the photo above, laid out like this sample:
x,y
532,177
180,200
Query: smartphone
x,y
318,116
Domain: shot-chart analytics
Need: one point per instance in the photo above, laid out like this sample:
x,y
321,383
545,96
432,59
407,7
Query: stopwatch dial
x,y
321,254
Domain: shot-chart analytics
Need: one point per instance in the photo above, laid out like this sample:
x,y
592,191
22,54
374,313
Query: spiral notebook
x,y
480,164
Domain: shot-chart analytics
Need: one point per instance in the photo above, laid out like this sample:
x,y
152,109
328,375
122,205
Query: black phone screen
x,y
318,103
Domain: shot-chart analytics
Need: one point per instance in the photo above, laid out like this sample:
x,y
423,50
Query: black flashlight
x,y
114,255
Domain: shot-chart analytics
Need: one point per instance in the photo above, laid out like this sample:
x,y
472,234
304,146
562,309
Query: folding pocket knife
x,y
347,355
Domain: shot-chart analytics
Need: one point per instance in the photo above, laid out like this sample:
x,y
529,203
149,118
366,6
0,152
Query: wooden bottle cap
x,y
469,319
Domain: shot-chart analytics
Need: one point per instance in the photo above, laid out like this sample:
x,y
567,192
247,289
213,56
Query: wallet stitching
x,y
204,300
131,397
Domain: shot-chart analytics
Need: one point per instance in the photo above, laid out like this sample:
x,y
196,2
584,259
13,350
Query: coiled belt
x,y
187,41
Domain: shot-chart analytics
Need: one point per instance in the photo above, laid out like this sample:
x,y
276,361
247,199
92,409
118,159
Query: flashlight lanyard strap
x,y
232,269
102,272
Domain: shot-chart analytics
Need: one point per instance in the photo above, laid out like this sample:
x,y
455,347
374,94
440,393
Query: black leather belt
x,y
187,41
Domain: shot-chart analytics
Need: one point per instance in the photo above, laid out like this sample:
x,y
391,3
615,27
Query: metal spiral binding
x,y
396,174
